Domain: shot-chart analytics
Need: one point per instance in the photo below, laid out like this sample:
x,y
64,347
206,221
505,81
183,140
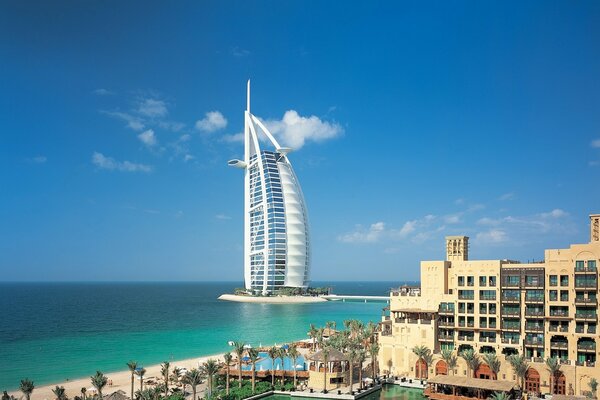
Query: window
x,y
532,280
470,308
466,294
492,281
553,295
564,280
487,295
564,295
512,280
553,280
482,308
482,280
492,309
579,265
461,281
470,281
592,265
461,308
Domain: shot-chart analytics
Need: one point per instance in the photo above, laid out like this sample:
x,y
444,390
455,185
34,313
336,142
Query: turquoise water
x,y
389,392
53,332
266,363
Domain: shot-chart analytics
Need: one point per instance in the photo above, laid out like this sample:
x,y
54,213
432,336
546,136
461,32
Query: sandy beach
x,y
273,299
121,380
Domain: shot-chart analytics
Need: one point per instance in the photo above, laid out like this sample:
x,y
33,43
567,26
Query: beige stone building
x,y
542,309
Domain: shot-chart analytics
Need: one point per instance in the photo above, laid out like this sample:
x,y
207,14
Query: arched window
x,y
532,381
441,368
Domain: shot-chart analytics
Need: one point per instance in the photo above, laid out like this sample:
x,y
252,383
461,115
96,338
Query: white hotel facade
x,y
276,232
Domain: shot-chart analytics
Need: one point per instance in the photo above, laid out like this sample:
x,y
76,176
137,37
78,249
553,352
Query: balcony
x,y
510,313
466,338
446,323
463,296
514,283
445,338
534,327
559,313
510,341
534,313
584,285
534,300
535,342
564,362
487,339
587,347
586,316
558,328
511,327
559,345
446,311
585,270
586,302
511,299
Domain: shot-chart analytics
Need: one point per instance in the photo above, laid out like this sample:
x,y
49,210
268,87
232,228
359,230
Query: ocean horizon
x,y
54,331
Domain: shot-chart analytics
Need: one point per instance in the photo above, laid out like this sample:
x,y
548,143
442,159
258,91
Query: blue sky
x,y
412,121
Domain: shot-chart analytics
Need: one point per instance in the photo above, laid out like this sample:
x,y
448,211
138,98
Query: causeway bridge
x,y
366,299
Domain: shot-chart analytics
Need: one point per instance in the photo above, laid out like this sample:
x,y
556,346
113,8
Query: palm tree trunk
x,y
325,379
141,383
132,382
193,392
360,375
294,374
227,382
351,376
253,378
240,373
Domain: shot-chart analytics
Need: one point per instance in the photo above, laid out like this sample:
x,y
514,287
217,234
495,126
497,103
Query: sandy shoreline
x,y
121,380
273,299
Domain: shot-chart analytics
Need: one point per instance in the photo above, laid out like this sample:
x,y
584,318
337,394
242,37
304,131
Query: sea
x,y
51,332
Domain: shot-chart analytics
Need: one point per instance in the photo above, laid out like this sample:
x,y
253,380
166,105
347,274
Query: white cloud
x,y
37,159
173,126
556,213
408,228
234,138
222,217
360,235
153,108
103,92
239,52
594,163
103,162
507,196
212,121
188,157
452,219
133,122
492,236
148,138
595,143
294,130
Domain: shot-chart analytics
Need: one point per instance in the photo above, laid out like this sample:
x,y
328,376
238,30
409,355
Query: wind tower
x,y
457,248
276,231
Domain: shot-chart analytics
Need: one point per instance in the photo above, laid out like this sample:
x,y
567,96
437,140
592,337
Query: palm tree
x,y
210,368
83,392
553,366
472,360
273,354
132,365
59,392
227,358
362,355
99,381
493,362
282,353
325,354
164,370
312,333
450,359
373,351
253,355
520,365
176,375
352,357
593,384
27,387
193,378
239,348
499,396
293,354
141,372
421,352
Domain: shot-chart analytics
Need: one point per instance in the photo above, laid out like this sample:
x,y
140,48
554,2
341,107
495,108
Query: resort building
x,y
276,237
541,310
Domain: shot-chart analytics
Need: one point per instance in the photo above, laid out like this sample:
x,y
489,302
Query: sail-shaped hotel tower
x,y
276,237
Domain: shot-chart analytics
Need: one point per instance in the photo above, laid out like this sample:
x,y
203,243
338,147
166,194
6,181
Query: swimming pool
x,y
265,363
